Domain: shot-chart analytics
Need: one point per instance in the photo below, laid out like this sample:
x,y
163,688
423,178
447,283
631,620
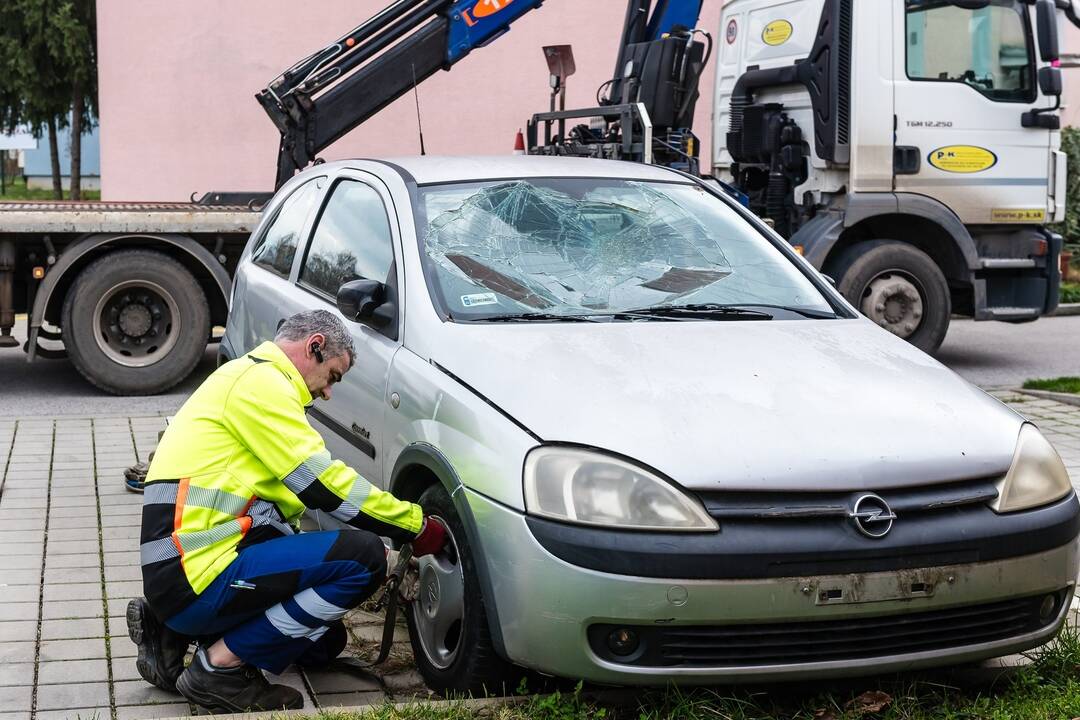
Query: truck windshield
x,y
577,247
986,48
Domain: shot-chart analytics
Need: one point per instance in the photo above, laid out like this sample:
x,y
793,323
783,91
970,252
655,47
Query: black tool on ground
x,y
388,601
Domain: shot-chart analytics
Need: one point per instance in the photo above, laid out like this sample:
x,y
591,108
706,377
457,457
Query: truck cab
x,y
908,148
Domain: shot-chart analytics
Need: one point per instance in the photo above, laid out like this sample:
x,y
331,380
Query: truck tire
x,y
899,287
454,652
135,322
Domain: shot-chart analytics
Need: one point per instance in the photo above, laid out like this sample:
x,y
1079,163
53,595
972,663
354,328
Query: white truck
x,y
907,148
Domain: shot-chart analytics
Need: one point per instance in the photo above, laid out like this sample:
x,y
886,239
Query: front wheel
x,y
135,322
897,286
448,627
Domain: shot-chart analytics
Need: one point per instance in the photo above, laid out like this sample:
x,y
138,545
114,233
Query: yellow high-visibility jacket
x,y
238,465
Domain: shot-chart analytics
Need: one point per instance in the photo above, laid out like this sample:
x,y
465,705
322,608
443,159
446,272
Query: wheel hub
x,y
430,592
135,320
894,302
439,610
136,323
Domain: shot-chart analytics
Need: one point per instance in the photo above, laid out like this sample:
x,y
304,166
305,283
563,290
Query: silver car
x,y
667,448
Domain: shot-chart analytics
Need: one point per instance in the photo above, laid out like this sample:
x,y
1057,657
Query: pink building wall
x,y
1070,115
177,80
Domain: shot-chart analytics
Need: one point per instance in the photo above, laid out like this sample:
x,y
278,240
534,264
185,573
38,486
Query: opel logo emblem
x,y
872,516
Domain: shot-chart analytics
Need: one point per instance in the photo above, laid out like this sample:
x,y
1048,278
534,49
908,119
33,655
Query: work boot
x,y
135,477
161,650
233,690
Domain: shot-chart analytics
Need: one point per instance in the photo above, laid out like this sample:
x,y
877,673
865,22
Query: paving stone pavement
x,y
69,563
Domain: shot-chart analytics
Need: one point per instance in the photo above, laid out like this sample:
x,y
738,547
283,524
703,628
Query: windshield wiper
x,y
805,312
713,311
529,317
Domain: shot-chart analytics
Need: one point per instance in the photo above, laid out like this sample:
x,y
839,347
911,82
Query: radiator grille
x,y
826,640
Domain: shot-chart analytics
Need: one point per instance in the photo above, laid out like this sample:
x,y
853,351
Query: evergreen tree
x,y
48,74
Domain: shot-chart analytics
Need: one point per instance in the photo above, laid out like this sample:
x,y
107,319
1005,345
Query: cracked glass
x,y
595,246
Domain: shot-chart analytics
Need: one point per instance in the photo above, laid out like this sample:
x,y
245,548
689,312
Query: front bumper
x,y
546,607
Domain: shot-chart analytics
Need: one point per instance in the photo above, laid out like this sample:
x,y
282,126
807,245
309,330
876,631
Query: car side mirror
x,y
366,302
1047,29
1050,82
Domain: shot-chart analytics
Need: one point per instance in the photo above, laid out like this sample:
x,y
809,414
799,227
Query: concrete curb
x,y
472,704
1067,398
1066,309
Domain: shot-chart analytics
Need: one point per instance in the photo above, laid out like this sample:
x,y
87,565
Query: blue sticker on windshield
x,y
479,299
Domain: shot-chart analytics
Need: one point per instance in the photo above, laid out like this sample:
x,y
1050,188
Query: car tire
x,y
897,286
135,322
475,667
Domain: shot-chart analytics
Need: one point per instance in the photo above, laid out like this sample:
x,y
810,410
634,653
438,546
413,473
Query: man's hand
x,y
432,538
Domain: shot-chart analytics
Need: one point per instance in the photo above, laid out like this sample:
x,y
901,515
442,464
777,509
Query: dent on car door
x,y
260,302
354,239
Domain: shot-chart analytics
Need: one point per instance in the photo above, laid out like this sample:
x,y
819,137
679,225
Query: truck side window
x,y
277,247
987,49
352,240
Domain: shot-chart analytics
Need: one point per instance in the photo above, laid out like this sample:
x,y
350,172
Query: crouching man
x,y
222,560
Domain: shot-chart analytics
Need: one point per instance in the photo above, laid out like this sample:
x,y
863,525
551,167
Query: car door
x,y
964,77
261,289
353,237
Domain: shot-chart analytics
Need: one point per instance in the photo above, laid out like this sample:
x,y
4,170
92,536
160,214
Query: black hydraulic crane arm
x,y
329,93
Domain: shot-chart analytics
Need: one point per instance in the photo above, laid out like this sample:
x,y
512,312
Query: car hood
x,y
786,405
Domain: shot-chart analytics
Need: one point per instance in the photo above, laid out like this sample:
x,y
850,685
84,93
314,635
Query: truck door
x,y
963,79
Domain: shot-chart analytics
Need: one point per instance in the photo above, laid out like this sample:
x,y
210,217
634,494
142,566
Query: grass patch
x,y
1062,384
1047,689
16,191
1070,292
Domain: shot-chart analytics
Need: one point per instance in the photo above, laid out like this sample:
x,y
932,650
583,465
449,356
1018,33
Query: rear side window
x,y
351,241
985,48
277,247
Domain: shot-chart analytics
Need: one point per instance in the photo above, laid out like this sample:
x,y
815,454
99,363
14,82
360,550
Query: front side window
x,y
596,246
987,49
352,240
277,247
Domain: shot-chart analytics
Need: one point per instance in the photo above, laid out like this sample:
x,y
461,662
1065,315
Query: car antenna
x,y
416,97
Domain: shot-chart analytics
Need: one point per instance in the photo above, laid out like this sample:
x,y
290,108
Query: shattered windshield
x,y
595,246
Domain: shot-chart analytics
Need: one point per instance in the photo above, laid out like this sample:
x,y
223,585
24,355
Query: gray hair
x,y
303,325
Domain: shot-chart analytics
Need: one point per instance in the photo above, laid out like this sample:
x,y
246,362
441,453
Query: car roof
x,y
427,169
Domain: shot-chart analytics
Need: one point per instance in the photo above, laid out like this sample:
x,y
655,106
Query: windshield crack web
x,y
619,246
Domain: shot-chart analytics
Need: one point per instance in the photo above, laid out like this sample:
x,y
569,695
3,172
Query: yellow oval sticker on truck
x,y
962,159
777,32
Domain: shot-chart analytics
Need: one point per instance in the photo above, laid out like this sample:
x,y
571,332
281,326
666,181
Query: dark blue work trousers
x,y
281,601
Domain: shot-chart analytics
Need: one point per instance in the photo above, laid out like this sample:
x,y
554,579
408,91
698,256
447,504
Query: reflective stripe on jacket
x,y
238,465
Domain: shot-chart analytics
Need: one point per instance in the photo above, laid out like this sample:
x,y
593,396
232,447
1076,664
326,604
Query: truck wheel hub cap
x,y
135,320
136,323
893,302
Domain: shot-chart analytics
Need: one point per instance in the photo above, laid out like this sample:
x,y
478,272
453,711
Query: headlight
x,y
585,487
1037,475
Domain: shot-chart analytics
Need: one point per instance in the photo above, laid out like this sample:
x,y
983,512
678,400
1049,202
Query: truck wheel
x,y
448,627
897,286
135,322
